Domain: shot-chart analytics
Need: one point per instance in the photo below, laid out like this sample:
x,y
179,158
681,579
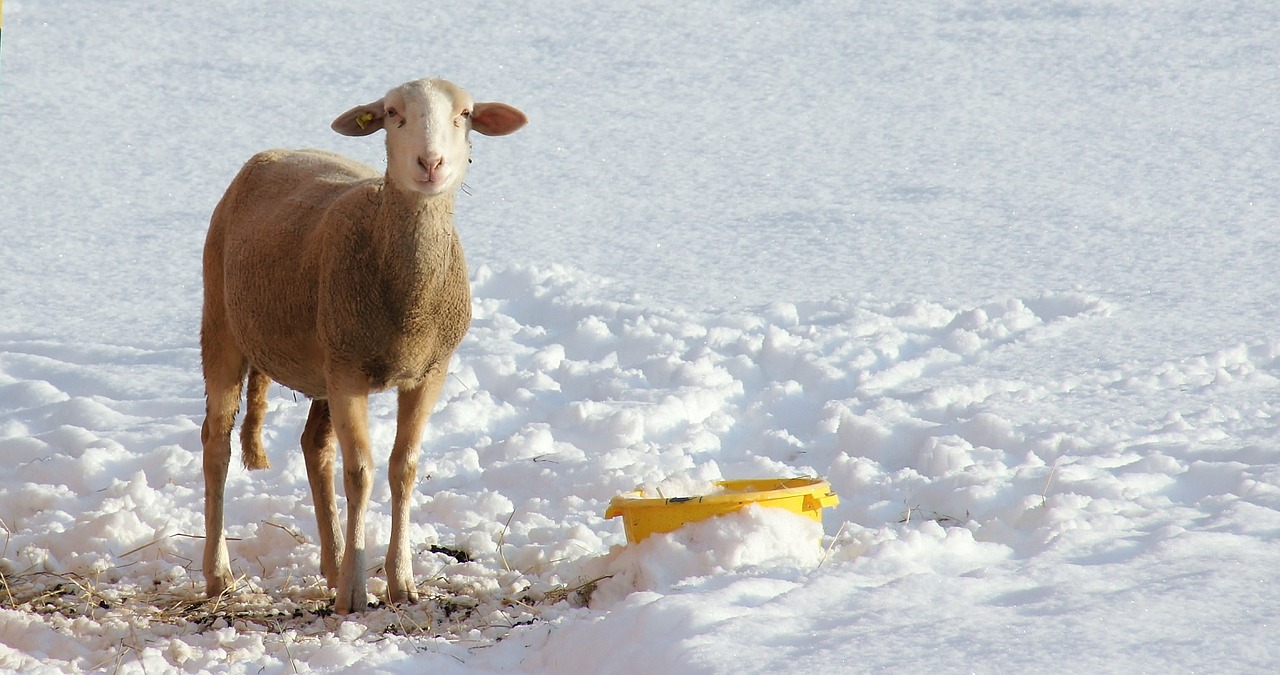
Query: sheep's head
x,y
427,123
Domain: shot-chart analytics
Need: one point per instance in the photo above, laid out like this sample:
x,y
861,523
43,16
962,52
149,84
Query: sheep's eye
x,y
391,112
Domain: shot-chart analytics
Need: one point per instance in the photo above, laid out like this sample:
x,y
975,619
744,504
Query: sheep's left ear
x,y
496,119
361,120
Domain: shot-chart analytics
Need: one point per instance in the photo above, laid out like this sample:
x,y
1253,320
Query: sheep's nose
x,y
431,165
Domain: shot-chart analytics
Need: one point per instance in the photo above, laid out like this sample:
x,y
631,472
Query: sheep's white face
x,y
427,123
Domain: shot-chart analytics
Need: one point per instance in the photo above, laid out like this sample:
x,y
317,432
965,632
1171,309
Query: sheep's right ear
x,y
361,120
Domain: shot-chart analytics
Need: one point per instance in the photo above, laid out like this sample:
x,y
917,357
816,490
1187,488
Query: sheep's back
x,y
267,232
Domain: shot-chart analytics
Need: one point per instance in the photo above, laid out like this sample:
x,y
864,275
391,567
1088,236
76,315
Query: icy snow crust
x,y
1001,272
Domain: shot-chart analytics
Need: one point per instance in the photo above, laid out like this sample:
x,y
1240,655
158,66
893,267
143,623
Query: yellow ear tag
x,y
363,119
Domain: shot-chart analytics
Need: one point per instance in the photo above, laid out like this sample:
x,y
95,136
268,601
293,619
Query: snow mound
x,y
558,402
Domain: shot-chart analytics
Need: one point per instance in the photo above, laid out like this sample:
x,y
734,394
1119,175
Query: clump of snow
x,y
684,485
747,541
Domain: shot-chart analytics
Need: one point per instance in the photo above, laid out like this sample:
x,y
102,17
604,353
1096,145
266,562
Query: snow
x,y
1001,271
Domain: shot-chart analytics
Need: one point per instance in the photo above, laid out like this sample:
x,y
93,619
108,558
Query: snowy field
x,y
1002,271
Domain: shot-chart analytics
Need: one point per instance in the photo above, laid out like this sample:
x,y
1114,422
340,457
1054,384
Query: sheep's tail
x,y
251,452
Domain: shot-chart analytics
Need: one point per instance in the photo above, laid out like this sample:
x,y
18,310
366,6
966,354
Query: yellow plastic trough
x,y
642,517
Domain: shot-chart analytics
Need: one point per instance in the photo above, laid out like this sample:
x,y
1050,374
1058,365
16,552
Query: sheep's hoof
x,y
349,607
218,584
347,603
402,596
330,568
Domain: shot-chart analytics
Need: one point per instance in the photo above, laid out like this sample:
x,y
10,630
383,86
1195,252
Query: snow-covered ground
x,y
1002,271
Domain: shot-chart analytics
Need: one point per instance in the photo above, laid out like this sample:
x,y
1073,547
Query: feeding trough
x,y
643,516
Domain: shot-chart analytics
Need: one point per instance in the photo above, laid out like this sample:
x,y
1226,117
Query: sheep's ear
x,y
496,119
361,120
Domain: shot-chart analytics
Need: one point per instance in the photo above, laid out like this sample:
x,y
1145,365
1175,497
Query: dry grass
x,y
911,513
577,596
294,610
73,595
132,612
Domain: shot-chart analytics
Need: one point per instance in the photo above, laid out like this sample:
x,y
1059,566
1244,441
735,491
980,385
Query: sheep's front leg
x,y
349,412
319,451
414,407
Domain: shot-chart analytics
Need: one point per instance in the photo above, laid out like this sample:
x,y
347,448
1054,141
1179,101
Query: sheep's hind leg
x,y
251,452
413,408
349,410
319,451
223,381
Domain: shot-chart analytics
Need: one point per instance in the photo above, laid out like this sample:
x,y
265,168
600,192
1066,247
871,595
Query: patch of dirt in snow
x,y
118,619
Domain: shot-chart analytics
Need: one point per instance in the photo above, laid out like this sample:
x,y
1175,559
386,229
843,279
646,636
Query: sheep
x,y
336,280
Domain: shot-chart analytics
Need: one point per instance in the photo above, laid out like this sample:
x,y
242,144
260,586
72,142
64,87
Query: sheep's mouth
x,y
431,185
423,181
